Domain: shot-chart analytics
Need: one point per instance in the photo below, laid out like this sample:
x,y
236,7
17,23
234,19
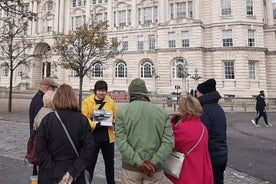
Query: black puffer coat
x,y
214,119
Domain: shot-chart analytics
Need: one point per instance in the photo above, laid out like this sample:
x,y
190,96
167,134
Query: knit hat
x,y
137,86
48,82
207,86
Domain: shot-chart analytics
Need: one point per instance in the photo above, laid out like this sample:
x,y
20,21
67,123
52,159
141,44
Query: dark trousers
x,y
35,170
218,172
261,114
107,150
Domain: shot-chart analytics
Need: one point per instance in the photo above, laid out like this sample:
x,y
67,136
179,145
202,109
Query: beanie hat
x,y
100,85
207,86
137,86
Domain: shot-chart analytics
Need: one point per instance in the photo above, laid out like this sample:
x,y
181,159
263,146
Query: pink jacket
x,y
197,168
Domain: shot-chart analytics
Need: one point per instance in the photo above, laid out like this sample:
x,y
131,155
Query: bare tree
x,y
13,42
80,49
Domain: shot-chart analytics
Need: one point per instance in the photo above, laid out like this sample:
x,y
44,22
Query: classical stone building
x,y
167,43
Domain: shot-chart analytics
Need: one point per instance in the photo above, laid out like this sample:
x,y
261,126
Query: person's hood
x,y
212,97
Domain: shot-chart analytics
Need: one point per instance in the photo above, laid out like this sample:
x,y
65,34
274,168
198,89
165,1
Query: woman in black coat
x,y
57,158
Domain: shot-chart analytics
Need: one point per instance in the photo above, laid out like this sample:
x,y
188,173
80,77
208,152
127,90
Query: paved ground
x,y
14,131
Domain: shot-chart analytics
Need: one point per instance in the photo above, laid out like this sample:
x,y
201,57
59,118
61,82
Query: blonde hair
x,y
48,98
190,107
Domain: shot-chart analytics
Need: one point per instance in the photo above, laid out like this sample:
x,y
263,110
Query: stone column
x,y
61,16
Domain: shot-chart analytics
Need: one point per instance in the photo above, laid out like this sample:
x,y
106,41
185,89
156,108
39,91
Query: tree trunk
x,y
10,92
80,91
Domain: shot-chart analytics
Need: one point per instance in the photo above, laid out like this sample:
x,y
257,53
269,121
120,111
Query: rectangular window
x,y
249,7
20,71
190,9
251,38
129,17
225,7
140,42
181,10
114,15
229,71
122,18
151,42
139,16
115,40
252,70
148,15
73,73
99,17
185,39
172,11
155,14
78,22
79,2
50,6
5,71
49,27
125,43
74,3
227,38
171,36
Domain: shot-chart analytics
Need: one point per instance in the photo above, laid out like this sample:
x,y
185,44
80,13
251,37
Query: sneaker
x,y
268,125
253,121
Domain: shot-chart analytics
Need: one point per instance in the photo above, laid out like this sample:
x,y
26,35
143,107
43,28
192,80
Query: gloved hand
x,y
67,179
147,168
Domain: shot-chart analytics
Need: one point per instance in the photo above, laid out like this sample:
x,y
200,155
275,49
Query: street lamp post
x,y
196,77
184,77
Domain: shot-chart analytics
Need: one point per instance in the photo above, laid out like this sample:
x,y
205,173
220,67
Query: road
x,y
252,150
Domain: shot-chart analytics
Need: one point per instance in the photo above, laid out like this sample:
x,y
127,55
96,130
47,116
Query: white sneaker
x,y
253,121
268,125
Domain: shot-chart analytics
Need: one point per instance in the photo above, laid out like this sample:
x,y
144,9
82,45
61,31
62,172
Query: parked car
x,y
118,94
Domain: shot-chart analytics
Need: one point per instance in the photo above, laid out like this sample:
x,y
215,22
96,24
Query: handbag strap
x,y
68,135
202,132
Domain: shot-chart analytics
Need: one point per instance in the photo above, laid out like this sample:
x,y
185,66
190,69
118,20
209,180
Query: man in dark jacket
x,y
260,108
214,119
46,84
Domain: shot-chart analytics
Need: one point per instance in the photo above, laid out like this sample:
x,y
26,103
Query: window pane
x,y
225,7
229,70
252,70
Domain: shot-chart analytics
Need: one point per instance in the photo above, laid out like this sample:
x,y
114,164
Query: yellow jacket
x,y
88,107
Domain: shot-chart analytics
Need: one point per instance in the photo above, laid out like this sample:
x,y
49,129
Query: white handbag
x,y
174,162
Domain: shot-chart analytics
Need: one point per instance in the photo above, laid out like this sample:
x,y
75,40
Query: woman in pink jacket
x,y
189,131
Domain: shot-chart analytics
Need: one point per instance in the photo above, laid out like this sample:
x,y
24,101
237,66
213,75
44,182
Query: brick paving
x,y
14,131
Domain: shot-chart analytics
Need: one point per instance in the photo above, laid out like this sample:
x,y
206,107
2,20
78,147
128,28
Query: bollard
x,y
174,107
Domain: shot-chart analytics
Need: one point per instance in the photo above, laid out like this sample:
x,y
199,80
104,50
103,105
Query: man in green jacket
x,y
144,136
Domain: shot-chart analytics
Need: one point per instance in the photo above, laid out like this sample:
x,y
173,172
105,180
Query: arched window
x,y
97,70
121,69
146,69
177,68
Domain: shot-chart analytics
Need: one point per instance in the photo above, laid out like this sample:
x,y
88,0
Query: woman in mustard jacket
x,y
103,134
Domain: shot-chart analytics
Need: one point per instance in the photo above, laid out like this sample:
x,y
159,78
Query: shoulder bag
x,y
86,173
174,162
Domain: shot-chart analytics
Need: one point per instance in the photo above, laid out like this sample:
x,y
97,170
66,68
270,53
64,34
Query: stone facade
x,y
228,40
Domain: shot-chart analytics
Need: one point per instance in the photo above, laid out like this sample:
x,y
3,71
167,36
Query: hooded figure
x,y
214,119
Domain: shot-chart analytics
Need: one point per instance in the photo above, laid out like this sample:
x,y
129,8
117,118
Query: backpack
x,y
31,146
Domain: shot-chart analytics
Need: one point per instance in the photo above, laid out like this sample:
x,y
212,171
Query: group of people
x,y
145,135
